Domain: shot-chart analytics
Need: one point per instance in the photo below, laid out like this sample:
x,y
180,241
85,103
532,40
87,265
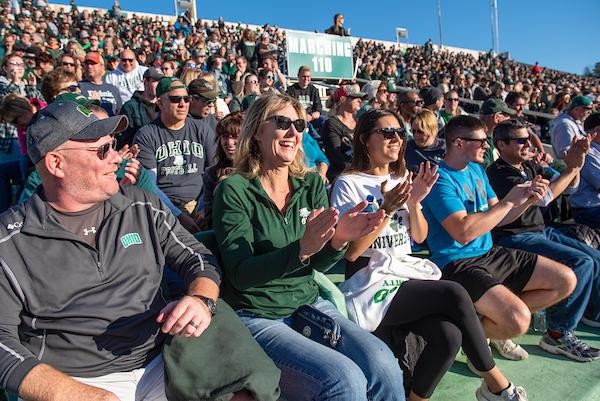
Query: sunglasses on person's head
x,y
178,99
284,123
391,132
101,151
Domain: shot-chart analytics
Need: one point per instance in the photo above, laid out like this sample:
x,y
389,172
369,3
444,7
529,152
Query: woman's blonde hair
x,y
189,75
425,121
247,160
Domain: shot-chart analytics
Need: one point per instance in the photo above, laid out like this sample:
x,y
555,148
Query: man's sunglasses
x,y
283,123
178,99
416,102
65,64
520,141
482,141
390,132
127,60
204,100
101,151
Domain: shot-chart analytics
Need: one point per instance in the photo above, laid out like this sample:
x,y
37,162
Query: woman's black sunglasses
x,y
284,123
390,132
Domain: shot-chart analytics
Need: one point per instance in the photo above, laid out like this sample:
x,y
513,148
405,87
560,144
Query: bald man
x,y
128,76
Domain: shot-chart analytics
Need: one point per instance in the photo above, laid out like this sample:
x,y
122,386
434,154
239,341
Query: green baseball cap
x,y
495,105
580,101
168,84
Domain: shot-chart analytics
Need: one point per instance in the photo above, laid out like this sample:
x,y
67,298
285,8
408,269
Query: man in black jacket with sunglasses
x,y
175,147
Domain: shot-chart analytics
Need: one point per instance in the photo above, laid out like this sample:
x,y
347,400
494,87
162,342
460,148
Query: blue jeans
x,y
589,216
361,368
579,257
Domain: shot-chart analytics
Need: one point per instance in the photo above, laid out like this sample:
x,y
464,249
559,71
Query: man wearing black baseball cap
x,y
176,147
84,315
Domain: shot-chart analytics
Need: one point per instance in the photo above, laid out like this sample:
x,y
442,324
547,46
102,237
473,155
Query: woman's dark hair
x,y
231,124
364,128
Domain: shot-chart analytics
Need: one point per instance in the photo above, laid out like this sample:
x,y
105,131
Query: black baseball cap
x,y
62,121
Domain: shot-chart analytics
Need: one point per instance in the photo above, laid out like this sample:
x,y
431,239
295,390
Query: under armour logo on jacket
x,y
92,230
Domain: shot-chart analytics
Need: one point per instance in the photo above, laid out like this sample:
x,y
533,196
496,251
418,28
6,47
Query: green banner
x,y
328,56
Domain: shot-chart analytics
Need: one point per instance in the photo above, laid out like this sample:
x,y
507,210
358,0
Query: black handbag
x,y
314,324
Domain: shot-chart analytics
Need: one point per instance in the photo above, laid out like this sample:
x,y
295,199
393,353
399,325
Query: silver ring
x,y
194,325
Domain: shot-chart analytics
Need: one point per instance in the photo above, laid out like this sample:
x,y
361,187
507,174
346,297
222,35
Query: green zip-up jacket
x,y
260,246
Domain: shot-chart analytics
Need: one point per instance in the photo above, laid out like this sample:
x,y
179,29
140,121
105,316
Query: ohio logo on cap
x,y
84,110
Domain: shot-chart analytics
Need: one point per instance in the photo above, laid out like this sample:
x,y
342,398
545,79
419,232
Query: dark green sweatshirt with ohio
x,y
259,245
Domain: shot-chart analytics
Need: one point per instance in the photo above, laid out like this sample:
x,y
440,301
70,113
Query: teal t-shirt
x,y
468,190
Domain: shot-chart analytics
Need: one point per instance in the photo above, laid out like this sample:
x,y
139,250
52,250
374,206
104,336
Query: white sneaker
x,y
510,350
590,322
512,393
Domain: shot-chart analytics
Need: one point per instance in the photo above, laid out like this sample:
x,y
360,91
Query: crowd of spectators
x,y
209,133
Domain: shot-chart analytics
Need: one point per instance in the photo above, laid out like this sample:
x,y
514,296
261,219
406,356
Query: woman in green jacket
x,y
274,227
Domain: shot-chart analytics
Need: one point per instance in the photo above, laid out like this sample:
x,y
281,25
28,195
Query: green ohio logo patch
x,y
131,239
84,110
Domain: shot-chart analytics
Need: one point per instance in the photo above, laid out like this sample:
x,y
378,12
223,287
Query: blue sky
x,y
557,34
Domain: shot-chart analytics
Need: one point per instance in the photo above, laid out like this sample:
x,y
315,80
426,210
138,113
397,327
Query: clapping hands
x,y
423,182
321,228
575,156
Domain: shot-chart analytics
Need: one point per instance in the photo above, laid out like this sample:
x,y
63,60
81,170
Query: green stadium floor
x,y
546,377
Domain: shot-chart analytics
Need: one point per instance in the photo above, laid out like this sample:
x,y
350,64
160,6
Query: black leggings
x,y
443,314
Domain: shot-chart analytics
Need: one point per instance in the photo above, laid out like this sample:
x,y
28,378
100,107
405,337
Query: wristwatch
x,y
210,303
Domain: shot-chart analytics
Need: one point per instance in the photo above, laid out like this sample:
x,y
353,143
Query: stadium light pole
x,y
495,33
439,10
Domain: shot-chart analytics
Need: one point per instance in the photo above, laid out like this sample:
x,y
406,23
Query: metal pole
x,y
494,20
176,11
439,9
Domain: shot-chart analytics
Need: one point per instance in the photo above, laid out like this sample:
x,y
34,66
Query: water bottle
x,y
372,206
538,322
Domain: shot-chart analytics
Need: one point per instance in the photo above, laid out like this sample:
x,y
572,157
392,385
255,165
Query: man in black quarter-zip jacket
x,y
81,277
